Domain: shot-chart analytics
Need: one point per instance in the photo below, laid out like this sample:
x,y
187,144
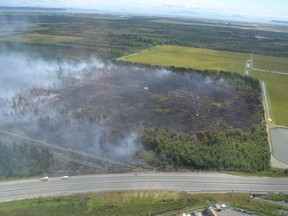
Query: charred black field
x,y
97,116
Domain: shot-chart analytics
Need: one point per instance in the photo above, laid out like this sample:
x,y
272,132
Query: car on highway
x,y
44,178
65,177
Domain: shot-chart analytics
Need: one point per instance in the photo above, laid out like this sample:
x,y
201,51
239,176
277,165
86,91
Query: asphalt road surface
x,y
189,182
279,138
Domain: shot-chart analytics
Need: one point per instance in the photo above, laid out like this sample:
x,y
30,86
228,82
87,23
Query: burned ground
x,y
123,102
100,110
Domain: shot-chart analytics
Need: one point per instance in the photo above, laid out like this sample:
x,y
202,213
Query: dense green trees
x,y
24,160
234,149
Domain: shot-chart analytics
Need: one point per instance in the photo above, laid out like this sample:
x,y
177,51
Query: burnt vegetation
x,y
163,118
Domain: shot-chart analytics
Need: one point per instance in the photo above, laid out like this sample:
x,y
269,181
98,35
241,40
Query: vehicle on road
x,y
44,178
65,177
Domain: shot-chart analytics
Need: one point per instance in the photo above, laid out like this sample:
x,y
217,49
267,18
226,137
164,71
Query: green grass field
x,y
202,59
277,88
192,58
39,38
133,203
270,63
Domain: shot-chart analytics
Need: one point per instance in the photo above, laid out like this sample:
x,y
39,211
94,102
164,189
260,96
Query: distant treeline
x,y
22,160
110,36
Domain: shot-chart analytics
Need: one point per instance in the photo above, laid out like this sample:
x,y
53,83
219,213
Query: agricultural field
x,y
277,88
130,203
200,59
39,38
270,63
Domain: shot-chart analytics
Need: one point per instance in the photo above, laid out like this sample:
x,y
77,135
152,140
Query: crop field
x,y
195,58
39,38
277,88
279,64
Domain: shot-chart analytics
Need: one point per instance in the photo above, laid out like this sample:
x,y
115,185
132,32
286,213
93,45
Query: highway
x,y
189,182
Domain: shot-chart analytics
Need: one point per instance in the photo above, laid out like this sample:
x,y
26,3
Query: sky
x,y
253,8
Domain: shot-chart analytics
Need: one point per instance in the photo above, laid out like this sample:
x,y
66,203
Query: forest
x,y
111,36
230,150
24,160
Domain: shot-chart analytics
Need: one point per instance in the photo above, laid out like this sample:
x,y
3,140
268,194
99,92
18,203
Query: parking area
x,y
230,212
279,138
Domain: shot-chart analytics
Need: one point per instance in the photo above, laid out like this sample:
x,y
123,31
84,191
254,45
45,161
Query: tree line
x,y
111,38
23,160
231,150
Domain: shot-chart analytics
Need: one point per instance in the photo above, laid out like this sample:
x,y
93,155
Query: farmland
x,y
196,58
277,87
39,38
270,63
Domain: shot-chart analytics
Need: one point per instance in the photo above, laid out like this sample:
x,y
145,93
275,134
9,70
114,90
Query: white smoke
x,y
19,72
160,73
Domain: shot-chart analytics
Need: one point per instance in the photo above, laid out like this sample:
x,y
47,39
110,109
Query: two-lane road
x,y
190,182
